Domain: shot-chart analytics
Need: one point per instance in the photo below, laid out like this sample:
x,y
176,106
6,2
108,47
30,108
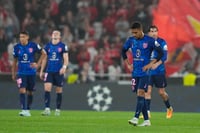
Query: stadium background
x,y
94,31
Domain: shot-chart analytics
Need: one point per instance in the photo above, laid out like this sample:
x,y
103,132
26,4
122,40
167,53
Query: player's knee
x,y
161,91
59,90
147,95
141,92
22,90
47,87
30,92
163,94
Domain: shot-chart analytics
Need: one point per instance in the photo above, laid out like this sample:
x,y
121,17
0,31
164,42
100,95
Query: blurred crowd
x,y
94,31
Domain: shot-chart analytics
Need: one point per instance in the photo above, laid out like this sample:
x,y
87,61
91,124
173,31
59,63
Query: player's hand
x,y
130,67
41,75
34,65
62,71
147,67
154,66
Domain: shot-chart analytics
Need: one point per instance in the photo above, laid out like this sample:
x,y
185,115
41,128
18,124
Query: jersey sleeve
x,y
15,53
125,48
165,51
39,47
46,47
157,47
65,48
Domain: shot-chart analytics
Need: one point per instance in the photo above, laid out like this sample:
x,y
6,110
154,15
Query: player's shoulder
x,y
62,44
130,38
149,38
33,43
161,40
17,45
48,44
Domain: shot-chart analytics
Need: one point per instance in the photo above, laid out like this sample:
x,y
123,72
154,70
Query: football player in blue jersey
x,y
55,61
24,54
157,74
141,46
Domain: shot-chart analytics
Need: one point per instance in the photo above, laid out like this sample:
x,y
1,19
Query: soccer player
x,y
24,54
157,74
141,46
56,61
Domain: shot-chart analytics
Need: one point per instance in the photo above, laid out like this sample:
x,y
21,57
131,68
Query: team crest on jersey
x,y
59,49
145,45
30,50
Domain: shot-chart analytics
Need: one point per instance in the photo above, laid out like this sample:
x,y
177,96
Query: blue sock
x,y
144,111
29,101
167,104
139,106
47,99
58,100
22,101
148,103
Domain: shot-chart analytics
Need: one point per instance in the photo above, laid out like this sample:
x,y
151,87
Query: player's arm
x,y
43,65
14,66
129,65
164,57
159,50
124,56
65,63
43,54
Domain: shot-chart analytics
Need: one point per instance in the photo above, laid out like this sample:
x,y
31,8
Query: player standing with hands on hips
x,y
55,63
24,54
141,46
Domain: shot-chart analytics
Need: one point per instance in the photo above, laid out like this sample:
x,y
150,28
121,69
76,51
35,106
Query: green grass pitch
x,y
95,122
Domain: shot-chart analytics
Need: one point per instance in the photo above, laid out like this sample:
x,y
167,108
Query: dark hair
x,y
153,27
136,25
24,32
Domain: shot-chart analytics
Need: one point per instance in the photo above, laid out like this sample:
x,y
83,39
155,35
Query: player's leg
x,y
142,102
148,99
30,90
144,87
22,97
29,99
161,83
59,89
140,106
135,83
47,93
58,100
148,95
165,98
22,83
47,98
